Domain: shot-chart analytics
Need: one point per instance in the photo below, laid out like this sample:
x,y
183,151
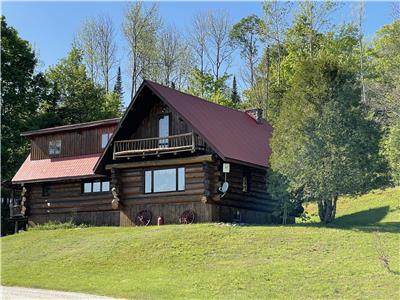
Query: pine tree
x,y
235,96
118,84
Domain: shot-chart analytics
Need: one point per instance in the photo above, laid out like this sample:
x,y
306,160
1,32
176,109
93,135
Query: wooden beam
x,y
163,162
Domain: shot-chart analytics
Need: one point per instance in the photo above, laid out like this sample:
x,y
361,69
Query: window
x,y
163,130
45,190
164,180
244,184
104,139
95,187
54,147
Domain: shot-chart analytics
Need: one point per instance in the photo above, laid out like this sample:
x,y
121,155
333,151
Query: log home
x,y
172,158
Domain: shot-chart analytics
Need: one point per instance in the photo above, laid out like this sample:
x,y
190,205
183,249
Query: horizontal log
x,y
162,200
163,162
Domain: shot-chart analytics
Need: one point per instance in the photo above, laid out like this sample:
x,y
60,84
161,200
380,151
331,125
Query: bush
x,y
58,225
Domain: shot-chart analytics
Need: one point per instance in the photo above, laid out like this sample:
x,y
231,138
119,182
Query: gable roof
x,y
234,135
75,167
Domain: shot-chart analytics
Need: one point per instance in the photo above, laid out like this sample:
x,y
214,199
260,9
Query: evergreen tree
x,y
118,84
235,95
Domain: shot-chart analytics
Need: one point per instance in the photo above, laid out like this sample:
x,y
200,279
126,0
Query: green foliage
x,y
235,98
20,90
205,85
118,86
246,262
323,123
384,91
391,149
80,99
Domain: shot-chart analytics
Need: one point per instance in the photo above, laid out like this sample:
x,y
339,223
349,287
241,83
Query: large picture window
x,y
54,147
164,180
95,187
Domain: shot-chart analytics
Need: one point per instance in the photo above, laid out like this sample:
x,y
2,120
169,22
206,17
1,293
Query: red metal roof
x,y
233,134
56,168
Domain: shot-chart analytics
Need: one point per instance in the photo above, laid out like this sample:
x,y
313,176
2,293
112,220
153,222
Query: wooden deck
x,y
157,145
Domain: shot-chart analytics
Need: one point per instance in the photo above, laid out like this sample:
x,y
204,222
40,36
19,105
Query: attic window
x,y
54,147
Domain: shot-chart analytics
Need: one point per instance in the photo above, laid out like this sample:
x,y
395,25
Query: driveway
x,y
17,293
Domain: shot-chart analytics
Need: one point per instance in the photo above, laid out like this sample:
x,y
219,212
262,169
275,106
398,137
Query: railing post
x,y
114,150
193,143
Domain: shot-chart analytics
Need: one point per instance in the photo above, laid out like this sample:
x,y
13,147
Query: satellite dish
x,y
224,187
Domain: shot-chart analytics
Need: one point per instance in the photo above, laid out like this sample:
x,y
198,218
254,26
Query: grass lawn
x,y
209,261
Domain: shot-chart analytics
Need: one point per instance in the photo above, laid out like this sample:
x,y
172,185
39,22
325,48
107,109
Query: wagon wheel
x,y
187,217
143,218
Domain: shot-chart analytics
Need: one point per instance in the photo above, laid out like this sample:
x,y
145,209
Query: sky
x,y
51,26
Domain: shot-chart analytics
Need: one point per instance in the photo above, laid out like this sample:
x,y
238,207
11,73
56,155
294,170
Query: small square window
x,y
54,147
105,186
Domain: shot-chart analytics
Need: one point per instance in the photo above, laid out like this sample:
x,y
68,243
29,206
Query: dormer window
x,y
104,139
54,147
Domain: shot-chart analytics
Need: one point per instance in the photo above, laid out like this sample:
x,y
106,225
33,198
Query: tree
x,y
118,84
86,41
205,85
20,90
96,39
169,48
326,125
235,95
219,49
246,34
140,29
80,100
384,91
199,39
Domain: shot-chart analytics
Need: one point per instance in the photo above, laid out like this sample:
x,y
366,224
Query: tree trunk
x,y
327,209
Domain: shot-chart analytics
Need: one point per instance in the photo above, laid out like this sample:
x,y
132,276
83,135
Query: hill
x,y
214,261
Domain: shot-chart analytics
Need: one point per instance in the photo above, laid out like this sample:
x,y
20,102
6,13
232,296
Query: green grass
x,y
209,261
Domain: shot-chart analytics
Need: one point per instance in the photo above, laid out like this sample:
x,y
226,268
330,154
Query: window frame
x,y
53,146
91,187
176,180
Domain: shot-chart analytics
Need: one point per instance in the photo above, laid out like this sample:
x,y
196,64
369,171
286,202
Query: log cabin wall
x,y
66,202
255,205
73,143
170,205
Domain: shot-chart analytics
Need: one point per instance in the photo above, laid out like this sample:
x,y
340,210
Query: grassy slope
x,y
212,261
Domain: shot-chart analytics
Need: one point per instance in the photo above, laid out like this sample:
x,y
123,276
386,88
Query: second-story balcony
x,y
158,145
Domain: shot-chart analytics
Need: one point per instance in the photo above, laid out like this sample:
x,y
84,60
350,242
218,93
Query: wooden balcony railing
x,y
156,145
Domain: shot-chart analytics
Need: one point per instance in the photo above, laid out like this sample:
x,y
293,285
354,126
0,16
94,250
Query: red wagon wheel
x,y
187,217
143,218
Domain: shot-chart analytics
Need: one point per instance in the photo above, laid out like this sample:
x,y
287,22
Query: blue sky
x,y
50,26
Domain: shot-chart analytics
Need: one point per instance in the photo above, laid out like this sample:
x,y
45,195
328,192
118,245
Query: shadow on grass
x,y
367,220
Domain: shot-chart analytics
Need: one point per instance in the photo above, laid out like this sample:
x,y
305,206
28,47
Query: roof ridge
x,y
61,127
197,97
